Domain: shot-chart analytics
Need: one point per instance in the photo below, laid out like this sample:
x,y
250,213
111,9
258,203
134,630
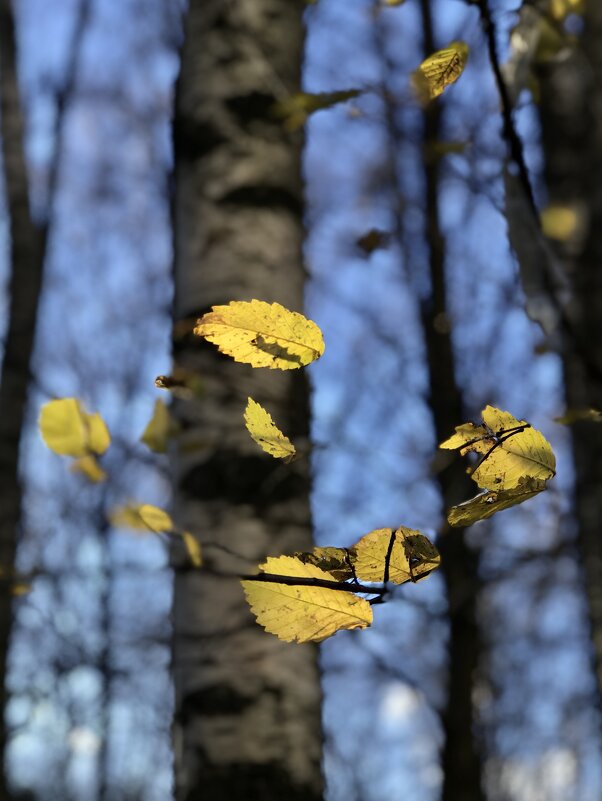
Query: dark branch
x,y
307,581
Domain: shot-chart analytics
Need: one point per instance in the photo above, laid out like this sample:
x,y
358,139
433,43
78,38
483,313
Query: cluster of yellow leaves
x,y
146,517
296,108
69,430
439,71
515,461
310,596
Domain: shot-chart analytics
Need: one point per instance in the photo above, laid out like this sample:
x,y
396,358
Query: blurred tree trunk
x,y
461,760
247,721
27,243
571,118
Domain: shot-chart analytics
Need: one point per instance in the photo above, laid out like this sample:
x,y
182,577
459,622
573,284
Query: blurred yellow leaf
x,y
261,427
489,502
579,415
509,449
67,429
193,548
411,555
303,613
89,467
560,9
440,70
159,429
262,334
295,109
142,517
559,222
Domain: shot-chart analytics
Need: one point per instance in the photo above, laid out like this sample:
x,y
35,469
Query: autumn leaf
x,y
408,554
193,548
67,429
295,109
303,613
439,71
159,429
142,517
572,416
262,429
509,450
262,334
487,503
89,467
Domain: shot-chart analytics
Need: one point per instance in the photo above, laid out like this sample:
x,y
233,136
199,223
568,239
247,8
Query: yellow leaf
x,y
89,467
159,429
303,613
67,429
142,517
262,334
559,222
411,555
579,415
261,427
489,502
193,548
560,9
440,70
335,561
296,108
510,450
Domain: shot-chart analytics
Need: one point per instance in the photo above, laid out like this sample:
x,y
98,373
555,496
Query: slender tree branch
x,y
307,581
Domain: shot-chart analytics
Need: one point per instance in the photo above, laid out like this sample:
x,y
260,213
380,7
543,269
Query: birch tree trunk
x,y
247,723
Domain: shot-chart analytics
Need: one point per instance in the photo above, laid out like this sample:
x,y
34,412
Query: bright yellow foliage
x,y
159,428
489,502
262,334
142,517
261,427
67,429
509,449
440,70
303,613
89,467
412,557
193,548
578,416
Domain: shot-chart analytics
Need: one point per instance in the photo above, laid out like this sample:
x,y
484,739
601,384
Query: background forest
x,y
157,159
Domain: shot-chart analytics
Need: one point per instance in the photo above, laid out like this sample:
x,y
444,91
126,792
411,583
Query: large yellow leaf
x,y
262,334
262,429
440,70
410,555
489,502
303,613
69,430
509,450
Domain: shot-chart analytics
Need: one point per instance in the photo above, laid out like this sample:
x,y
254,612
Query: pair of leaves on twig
x,y
310,596
515,462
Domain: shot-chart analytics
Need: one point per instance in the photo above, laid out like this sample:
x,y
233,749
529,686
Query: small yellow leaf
x,y
262,334
440,70
303,613
159,429
261,427
89,467
142,517
579,415
67,429
296,108
20,589
412,555
193,548
487,503
509,449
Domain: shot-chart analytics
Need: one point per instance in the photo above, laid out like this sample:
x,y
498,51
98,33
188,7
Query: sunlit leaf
x,y
303,613
159,429
440,70
142,517
489,502
410,555
193,548
262,334
89,467
295,109
335,561
262,429
509,450
578,416
69,430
